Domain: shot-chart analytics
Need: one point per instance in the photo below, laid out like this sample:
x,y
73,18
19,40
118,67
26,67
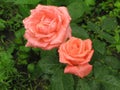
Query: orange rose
x,y
76,53
47,27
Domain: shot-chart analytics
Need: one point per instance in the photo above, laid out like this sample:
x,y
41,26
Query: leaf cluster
x,y
23,68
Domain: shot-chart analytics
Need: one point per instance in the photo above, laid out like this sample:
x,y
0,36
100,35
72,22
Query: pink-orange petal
x,y
88,57
88,44
81,70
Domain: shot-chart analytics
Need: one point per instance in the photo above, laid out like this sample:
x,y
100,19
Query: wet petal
x,y
81,70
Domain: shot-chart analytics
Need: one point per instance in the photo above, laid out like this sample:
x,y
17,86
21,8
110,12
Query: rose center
x,y
74,49
46,25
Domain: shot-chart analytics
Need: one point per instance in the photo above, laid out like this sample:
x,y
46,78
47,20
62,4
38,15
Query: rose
x,y
47,27
76,53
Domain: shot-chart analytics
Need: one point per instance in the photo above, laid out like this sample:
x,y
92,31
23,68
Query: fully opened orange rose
x,y
76,53
47,27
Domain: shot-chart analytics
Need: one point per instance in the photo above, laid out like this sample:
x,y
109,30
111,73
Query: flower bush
x,y
48,27
59,45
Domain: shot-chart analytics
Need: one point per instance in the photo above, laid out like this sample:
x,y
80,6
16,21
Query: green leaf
x,y
109,24
117,36
31,67
100,70
117,4
68,81
117,40
9,0
2,25
97,56
61,81
82,85
112,61
95,85
2,76
22,56
24,1
59,2
79,32
49,53
27,1
118,48
35,70
6,65
110,82
19,33
24,49
48,64
19,36
93,27
109,38
76,9
24,10
99,46
90,2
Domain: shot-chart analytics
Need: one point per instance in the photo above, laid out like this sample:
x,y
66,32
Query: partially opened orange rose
x,y
47,27
76,53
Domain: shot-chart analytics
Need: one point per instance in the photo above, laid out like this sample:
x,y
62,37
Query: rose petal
x,y
66,58
81,71
47,27
61,36
62,58
70,53
88,44
88,57
34,42
64,12
49,47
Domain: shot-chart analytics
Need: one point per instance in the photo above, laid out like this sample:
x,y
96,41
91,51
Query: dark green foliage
x,y
23,68
60,81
